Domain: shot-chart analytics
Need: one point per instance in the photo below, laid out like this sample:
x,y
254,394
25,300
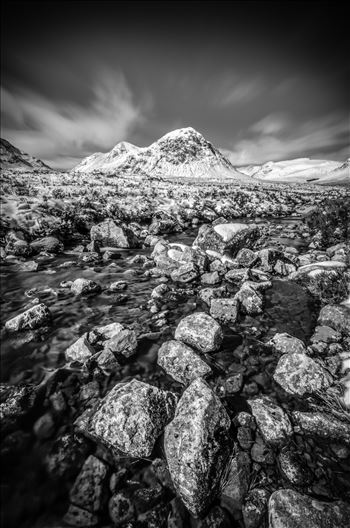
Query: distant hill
x,y
13,158
301,170
182,153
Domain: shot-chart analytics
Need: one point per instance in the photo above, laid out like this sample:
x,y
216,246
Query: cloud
x,y
232,89
275,138
56,131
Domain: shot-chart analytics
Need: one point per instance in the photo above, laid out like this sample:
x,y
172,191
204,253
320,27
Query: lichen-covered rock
x,y
185,273
323,425
246,257
236,482
181,362
230,237
292,468
200,331
327,281
111,234
15,403
325,334
207,294
118,339
79,517
210,278
85,287
50,244
81,350
121,509
299,374
337,317
197,446
249,299
132,416
254,507
285,343
87,490
35,317
272,421
224,310
290,509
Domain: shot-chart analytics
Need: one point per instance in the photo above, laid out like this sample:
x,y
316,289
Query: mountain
x,y
301,170
183,153
13,158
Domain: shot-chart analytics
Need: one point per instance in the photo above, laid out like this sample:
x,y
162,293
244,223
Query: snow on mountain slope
x,y
301,170
180,153
13,158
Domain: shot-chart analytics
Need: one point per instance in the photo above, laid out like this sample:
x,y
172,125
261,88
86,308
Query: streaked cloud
x,y
276,138
60,132
235,89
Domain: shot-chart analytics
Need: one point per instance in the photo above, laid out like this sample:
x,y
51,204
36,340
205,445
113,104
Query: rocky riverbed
x,y
186,367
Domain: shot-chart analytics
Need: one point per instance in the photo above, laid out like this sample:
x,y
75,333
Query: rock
x,y
29,265
44,426
217,518
111,234
197,446
236,482
121,509
230,237
118,286
85,287
224,310
87,490
327,281
238,276
250,300
299,374
285,344
119,339
233,383
210,278
325,334
181,363
246,257
292,468
48,244
16,403
35,317
200,331
81,350
76,516
272,421
185,273
67,453
207,294
290,509
261,452
337,317
254,507
323,425
132,416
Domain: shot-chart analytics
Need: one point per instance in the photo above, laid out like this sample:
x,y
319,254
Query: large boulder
x,y
111,234
132,416
200,331
299,374
290,509
181,362
35,317
328,281
230,237
272,421
83,286
197,446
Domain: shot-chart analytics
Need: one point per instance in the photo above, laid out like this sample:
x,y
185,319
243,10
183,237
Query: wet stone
x,y
200,331
323,425
291,467
87,490
285,344
196,445
272,421
290,509
181,362
32,318
326,334
85,287
210,278
132,416
337,317
299,374
224,310
254,507
79,517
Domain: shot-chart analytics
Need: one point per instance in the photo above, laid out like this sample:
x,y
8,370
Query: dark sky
x,y
261,80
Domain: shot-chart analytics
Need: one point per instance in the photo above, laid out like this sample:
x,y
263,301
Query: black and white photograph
x,y
175,264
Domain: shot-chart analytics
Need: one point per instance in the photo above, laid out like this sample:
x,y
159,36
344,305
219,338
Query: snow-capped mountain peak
x,y
181,153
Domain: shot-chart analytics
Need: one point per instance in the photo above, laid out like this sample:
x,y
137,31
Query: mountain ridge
x,y
12,157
